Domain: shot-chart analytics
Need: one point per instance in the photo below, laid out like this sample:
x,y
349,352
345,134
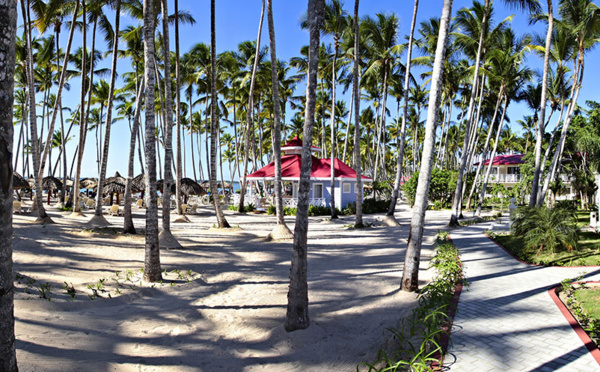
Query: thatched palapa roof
x,y
191,187
51,183
19,182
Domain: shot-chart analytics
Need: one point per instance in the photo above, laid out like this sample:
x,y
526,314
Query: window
x,y
347,187
317,191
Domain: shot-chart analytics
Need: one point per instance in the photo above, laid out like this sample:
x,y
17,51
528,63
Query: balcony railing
x,y
514,178
264,202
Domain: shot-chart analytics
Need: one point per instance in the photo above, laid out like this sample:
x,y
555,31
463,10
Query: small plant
x,y
45,291
548,229
70,290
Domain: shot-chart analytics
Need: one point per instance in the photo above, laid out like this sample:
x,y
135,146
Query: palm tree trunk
x,y
98,218
297,308
178,112
43,217
166,238
214,125
152,272
250,113
128,227
402,137
410,275
456,203
489,168
332,125
355,93
484,152
282,231
8,27
61,84
348,129
533,199
82,121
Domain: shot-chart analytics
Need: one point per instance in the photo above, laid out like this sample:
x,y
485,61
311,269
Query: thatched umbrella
x,y
19,182
115,184
138,183
191,187
205,184
88,183
51,183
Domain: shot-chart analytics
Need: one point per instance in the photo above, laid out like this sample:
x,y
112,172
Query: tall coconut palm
x,y
250,112
178,112
356,97
335,23
533,198
8,13
297,308
222,222
166,238
583,18
402,135
39,205
410,275
152,270
281,231
98,218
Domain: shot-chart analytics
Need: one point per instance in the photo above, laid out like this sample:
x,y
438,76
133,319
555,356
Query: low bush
x,y
248,208
287,211
542,228
370,206
319,210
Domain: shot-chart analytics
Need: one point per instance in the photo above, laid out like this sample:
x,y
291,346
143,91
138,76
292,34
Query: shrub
x,y
247,208
543,228
287,211
370,206
318,210
441,188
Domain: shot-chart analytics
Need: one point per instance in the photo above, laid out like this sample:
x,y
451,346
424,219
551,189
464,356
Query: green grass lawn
x,y
588,253
589,299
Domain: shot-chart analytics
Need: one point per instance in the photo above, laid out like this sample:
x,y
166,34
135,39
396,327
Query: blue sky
x,y
237,21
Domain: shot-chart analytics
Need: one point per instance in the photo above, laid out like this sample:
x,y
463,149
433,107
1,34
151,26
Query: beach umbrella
x,y
88,183
138,184
51,183
113,187
117,178
205,184
191,187
223,185
19,182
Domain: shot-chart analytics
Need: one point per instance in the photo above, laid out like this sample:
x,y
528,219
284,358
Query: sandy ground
x,y
222,304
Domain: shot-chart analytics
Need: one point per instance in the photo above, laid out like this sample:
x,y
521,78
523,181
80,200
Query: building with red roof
x,y
505,169
320,177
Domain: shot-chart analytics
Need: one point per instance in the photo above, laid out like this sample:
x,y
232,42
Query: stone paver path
x,y
506,320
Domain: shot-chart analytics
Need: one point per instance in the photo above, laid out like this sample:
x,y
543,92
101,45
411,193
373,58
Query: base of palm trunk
x,y
280,232
390,221
181,219
167,240
76,214
44,220
98,221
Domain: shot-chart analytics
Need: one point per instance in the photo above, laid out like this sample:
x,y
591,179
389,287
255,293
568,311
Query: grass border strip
x,y
587,341
532,264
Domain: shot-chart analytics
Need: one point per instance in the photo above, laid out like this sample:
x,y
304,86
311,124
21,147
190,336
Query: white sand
x,y
229,317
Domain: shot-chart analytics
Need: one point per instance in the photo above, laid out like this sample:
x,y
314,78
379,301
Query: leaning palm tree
x,y
281,230
410,275
8,13
152,270
98,219
166,238
39,205
222,222
402,135
297,308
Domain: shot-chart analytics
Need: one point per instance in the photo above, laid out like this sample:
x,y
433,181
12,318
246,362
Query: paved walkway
x,y
506,320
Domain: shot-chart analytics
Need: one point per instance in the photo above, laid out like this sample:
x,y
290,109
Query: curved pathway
x,y
506,320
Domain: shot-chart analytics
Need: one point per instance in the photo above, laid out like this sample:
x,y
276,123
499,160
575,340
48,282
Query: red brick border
x,y
587,341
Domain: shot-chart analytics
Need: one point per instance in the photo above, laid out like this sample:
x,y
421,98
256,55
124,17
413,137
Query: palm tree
x,y
533,198
98,218
297,308
410,275
281,231
222,222
400,140
8,13
583,18
335,23
152,271
355,94
250,112
42,216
